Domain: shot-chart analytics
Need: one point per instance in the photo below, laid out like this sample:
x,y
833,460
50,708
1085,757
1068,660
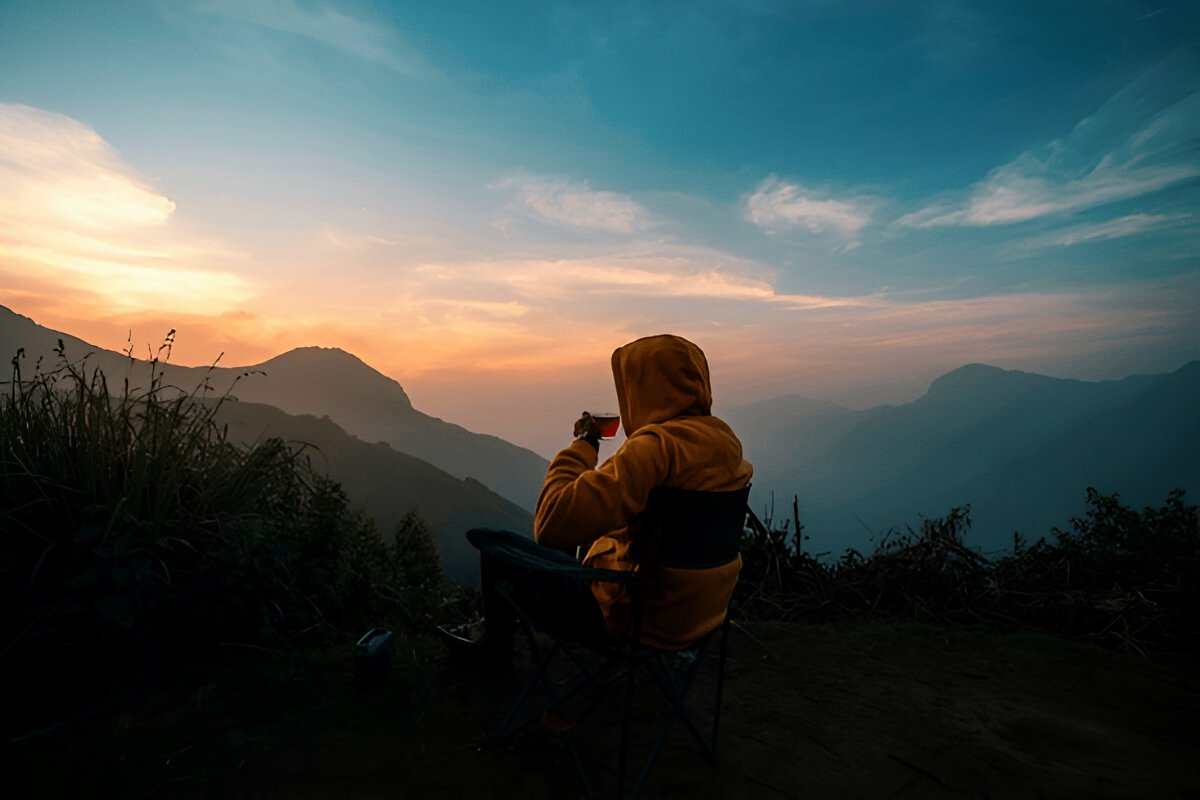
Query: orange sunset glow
x,y
463,276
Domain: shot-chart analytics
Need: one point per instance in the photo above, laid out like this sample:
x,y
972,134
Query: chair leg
x,y
720,683
539,672
623,755
676,694
652,756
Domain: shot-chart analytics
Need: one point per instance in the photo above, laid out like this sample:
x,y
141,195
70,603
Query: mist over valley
x,y
1019,448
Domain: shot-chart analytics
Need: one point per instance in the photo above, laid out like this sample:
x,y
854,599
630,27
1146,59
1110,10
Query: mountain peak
x,y
972,378
312,352
343,372
977,369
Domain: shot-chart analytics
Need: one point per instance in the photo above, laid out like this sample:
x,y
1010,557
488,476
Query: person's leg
x,y
563,605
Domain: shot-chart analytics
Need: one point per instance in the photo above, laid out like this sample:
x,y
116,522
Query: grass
x,y
134,536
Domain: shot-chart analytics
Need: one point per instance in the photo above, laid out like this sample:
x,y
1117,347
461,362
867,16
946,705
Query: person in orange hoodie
x,y
673,441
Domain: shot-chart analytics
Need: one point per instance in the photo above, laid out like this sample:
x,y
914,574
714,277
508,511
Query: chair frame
x,y
635,655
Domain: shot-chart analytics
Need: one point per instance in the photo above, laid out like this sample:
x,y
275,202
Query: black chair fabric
x,y
682,529
690,529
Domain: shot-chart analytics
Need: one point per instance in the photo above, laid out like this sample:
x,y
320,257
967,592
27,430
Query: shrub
x,y
418,570
1117,576
133,535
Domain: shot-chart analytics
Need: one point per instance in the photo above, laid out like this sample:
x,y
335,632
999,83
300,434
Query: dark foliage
x,y
134,536
1119,576
418,571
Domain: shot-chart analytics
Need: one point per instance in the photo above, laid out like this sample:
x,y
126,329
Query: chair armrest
x,y
552,563
579,573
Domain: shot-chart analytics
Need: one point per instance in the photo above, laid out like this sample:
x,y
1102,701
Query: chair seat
x,y
682,529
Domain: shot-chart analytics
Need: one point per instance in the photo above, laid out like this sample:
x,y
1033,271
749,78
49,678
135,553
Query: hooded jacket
x,y
665,399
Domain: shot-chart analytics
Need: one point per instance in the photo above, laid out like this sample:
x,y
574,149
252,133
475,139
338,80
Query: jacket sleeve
x,y
578,503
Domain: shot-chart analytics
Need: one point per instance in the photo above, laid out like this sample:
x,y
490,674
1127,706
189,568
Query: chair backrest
x,y
690,529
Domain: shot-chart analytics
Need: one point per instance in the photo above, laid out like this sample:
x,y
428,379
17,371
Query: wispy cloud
x,y
777,204
1129,225
373,41
1139,142
71,208
656,277
574,203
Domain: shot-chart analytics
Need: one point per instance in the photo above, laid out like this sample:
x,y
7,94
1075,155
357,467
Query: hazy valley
x,y
1019,448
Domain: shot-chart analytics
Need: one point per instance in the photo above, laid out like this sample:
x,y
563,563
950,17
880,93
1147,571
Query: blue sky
x,y
837,199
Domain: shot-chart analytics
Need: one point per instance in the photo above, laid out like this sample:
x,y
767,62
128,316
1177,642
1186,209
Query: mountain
x,y
387,483
779,432
382,479
320,382
375,407
1020,448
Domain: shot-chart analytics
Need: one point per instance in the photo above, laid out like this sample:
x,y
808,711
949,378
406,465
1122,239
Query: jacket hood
x,y
660,378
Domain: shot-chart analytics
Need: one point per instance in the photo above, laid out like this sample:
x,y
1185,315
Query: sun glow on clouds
x,y
628,274
437,307
73,211
61,173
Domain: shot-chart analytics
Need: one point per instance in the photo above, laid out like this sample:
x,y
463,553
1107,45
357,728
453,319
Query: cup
x,y
609,424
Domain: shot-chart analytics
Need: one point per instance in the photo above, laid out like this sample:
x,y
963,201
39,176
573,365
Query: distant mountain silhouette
x,y
1020,448
315,383
387,483
320,381
323,381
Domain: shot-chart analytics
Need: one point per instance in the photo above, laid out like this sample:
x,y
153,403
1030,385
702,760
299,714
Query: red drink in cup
x,y
609,424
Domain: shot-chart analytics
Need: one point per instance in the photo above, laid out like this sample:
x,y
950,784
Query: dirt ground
x,y
872,711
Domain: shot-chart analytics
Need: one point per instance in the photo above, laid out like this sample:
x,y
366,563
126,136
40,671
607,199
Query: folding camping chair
x,y
680,528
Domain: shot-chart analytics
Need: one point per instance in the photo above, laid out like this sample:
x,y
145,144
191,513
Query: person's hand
x,y
588,429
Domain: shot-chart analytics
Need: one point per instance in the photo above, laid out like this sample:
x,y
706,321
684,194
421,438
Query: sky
x,y
482,200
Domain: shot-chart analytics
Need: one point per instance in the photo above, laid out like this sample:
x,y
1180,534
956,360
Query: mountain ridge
x,y
1020,447
384,482
358,397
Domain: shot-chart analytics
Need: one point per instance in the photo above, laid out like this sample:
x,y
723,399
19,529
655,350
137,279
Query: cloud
x,y
1142,140
72,209
574,203
1130,225
321,22
630,274
54,163
476,313
779,204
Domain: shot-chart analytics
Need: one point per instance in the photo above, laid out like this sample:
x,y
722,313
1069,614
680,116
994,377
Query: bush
x,y
1117,576
134,535
418,569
